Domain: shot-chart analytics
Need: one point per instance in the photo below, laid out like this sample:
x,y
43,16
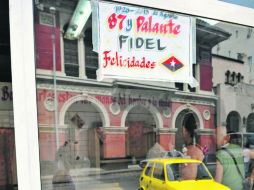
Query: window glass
x,y
149,169
187,171
124,84
158,171
71,63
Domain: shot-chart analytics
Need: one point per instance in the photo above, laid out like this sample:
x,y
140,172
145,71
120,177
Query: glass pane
x,y
98,126
187,171
158,172
149,170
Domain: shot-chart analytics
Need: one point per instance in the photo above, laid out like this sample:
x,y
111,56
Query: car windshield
x,y
187,171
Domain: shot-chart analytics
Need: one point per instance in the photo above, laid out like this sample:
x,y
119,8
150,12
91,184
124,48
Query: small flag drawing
x,y
173,64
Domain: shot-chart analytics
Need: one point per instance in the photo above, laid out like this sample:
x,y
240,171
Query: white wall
x,y
237,43
221,66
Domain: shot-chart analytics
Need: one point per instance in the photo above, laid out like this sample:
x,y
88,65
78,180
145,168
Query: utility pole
x,y
53,37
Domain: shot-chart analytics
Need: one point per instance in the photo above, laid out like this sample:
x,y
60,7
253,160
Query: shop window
x,y
98,131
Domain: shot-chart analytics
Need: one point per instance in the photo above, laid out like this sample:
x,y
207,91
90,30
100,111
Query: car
x,y
166,154
177,174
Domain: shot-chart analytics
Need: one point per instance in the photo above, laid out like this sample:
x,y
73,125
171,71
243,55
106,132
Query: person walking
x,y
229,161
191,148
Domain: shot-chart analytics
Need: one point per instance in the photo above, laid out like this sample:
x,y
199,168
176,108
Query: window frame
x,y
24,80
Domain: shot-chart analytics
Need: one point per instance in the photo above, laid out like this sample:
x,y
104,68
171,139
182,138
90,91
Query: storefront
x,y
95,127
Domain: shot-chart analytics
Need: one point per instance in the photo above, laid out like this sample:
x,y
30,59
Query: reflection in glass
x,y
106,128
182,171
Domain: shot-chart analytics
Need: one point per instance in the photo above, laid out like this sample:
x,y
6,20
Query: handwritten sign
x,y
143,44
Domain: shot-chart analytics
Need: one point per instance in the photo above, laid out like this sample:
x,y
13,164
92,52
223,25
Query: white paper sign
x,y
143,44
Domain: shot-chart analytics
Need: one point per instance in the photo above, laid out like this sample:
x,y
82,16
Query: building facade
x,y
234,68
118,119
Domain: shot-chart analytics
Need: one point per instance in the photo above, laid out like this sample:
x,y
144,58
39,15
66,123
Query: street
x,y
96,179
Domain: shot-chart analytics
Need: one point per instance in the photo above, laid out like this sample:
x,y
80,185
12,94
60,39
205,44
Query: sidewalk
x,y
96,178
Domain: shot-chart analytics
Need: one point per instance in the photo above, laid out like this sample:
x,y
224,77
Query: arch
x,y
250,123
156,114
191,108
233,121
102,110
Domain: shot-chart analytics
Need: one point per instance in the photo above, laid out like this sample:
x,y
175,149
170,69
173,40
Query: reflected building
x,y
233,78
111,123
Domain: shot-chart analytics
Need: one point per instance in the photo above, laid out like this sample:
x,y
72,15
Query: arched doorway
x,y
141,135
233,121
82,119
250,123
192,124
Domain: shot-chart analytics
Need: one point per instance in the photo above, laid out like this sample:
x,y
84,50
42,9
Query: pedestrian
x,y
62,179
229,161
191,148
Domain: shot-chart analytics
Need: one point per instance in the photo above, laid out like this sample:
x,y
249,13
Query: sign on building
x,y
6,96
138,43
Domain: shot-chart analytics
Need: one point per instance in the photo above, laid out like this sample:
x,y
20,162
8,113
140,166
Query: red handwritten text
x,y
147,25
130,62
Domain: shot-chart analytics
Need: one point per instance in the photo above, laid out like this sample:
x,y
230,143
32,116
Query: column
x,y
114,142
166,137
81,58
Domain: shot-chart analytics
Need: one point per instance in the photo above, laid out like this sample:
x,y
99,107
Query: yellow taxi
x,y
177,174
